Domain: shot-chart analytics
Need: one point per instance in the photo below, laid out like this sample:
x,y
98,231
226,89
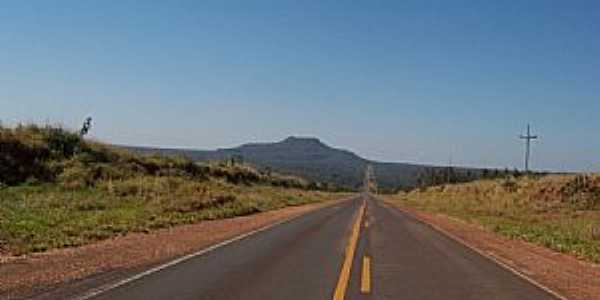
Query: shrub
x,y
19,160
61,143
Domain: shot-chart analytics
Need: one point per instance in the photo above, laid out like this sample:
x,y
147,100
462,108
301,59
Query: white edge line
x,y
103,289
482,253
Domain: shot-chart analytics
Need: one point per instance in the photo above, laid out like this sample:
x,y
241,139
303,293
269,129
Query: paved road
x,y
395,257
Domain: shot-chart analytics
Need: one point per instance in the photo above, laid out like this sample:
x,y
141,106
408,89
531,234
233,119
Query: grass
x,y
42,217
58,190
561,212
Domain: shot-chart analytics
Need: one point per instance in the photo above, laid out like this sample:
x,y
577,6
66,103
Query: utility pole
x,y
449,169
528,138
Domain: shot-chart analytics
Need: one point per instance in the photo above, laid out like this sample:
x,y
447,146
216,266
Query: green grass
x,y
39,218
543,211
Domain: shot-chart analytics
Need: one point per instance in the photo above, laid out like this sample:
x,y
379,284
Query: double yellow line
x,y
342,284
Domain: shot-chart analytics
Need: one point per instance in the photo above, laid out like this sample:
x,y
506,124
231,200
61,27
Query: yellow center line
x,y
365,283
342,284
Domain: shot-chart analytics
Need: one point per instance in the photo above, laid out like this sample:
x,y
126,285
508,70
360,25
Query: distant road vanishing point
x,y
356,249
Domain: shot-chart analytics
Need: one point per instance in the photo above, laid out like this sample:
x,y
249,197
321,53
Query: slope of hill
x,y
310,158
59,190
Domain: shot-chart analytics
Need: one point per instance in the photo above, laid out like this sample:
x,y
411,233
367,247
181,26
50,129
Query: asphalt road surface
x,y
358,249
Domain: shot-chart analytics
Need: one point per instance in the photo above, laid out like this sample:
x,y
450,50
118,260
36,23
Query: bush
x,y
20,161
61,143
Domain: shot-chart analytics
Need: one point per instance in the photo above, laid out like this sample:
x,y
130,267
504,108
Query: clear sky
x,y
417,81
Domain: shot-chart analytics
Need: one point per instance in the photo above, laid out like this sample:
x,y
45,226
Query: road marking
x,y
342,284
365,283
103,289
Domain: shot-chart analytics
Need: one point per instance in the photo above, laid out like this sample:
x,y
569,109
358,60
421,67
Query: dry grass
x,y
561,212
42,217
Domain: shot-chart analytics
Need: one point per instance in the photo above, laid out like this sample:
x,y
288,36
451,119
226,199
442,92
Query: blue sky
x,y
417,81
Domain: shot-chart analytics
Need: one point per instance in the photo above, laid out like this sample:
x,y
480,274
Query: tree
x,y
496,173
516,173
485,173
469,176
87,125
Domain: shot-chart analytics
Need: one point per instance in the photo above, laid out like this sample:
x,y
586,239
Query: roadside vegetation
x,y
60,190
561,212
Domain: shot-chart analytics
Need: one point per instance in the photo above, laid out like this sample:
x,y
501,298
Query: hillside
x,y
310,158
58,190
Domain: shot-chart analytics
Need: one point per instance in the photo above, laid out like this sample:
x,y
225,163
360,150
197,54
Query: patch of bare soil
x,y
67,272
562,273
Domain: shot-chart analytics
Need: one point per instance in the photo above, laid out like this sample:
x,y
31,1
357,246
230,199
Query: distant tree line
x,y
432,176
